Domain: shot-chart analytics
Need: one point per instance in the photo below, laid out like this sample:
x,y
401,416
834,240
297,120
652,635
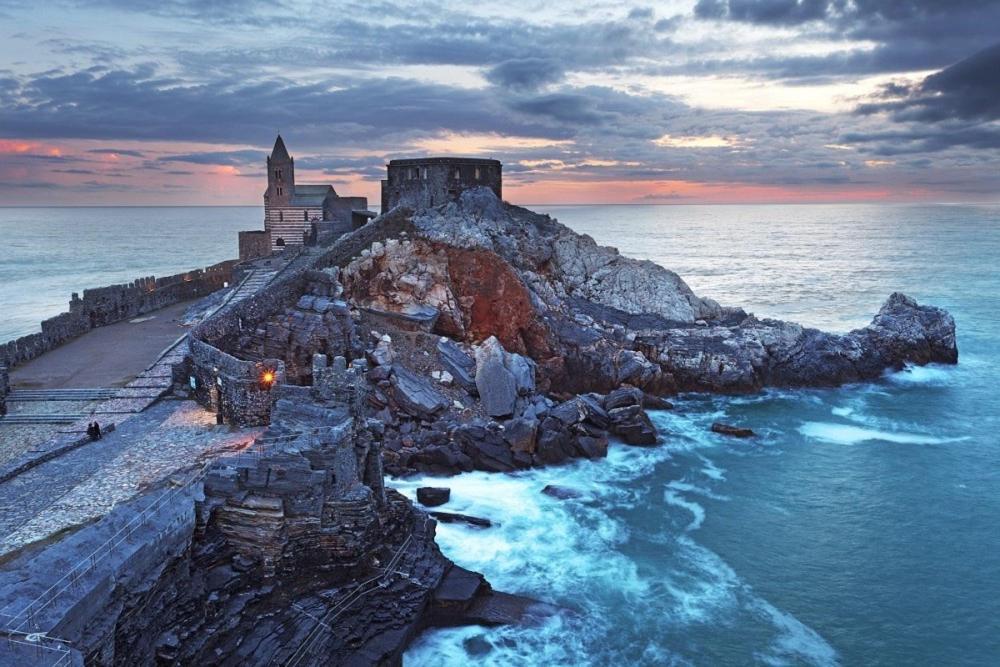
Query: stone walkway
x,y
89,481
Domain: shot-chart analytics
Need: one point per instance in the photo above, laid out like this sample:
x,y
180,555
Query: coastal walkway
x,y
107,356
87,482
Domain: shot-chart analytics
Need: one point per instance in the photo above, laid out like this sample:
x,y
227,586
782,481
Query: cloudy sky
x,y
684,101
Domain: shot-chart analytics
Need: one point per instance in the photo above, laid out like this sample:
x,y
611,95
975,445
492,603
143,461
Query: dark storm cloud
x,y
957,106
908,34
526,73
968,90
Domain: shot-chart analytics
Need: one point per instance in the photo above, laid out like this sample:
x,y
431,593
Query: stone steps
x,y
41,419
93,394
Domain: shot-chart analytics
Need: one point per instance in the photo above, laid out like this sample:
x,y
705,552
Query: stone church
x,y
295,212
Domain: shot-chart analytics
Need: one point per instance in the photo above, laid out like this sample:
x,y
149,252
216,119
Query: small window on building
x,y
281,216
477,173
279,191
280,242
424,173
458,175
305,215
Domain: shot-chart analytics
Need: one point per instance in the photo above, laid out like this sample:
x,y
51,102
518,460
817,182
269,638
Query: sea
x,y
861,526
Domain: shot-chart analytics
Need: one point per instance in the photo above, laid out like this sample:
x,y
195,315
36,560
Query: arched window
x,y
280,242
477,173
458,174
281,215
305,215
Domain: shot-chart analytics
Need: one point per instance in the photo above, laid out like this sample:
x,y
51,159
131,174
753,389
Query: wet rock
x,y
561,492
735,431
521,434
653,402
432,496
450,517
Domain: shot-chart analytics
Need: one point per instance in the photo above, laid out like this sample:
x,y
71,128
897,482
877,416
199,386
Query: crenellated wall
x,y
107,305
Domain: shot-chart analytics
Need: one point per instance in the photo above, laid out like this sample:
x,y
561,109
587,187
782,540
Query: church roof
x,y
311,195
279,152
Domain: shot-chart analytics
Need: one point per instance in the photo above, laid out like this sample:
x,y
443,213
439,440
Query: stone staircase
x,y
83,394
254,282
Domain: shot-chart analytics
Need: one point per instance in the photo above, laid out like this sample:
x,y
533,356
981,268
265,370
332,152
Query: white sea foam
x,y
932,375
684,487
581,553
711,470
847,434
696,510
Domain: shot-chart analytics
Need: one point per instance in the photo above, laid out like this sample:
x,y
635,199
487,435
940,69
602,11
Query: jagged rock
x,y
450,517
638,430
653,402
461,366
383,354
521,434
414,394
735,431
432,496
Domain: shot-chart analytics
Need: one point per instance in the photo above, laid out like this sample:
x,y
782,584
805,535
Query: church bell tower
x,y
280,175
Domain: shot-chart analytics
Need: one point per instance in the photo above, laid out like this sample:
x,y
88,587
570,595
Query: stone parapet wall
x,y
4,389
106,305
234,388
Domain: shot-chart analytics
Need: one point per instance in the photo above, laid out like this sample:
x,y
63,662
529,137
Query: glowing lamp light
x,y
267,379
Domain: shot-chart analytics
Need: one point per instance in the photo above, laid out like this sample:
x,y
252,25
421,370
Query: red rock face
x,y
494,301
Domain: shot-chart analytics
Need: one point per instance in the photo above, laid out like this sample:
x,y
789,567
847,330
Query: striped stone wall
x,y
289,223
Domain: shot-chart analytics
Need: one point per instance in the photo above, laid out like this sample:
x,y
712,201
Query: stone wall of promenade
x,y
115,303
4,389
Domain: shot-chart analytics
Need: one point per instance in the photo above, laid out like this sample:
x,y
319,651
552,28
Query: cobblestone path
x,y
85,483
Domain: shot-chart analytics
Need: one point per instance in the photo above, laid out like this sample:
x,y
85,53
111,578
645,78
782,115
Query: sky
x,y
177,102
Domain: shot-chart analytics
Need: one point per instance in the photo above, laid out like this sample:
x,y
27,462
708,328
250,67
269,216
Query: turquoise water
x,y
861,528
49,253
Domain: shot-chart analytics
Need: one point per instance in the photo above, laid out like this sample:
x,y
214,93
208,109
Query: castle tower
x,y
280,175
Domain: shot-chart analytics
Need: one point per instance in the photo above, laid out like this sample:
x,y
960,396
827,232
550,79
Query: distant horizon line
x,y
776,203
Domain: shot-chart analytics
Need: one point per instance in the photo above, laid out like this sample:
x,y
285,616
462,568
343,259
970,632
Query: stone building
x,y
425,182
291,209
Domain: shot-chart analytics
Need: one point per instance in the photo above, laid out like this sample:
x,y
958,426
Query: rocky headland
x,y
474,335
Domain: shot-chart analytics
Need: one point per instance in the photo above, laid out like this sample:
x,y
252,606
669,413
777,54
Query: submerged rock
x,y
451,517
561,492
735,431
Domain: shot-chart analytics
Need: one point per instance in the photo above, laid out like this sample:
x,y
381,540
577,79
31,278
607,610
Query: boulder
x,y
461,366
521,434
432,496
735,431
497,388
415,395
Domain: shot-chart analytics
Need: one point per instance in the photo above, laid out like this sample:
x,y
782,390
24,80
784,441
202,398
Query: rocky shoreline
x,y
474,335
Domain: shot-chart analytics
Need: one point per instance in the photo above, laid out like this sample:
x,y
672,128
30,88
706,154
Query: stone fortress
x,y
427,182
